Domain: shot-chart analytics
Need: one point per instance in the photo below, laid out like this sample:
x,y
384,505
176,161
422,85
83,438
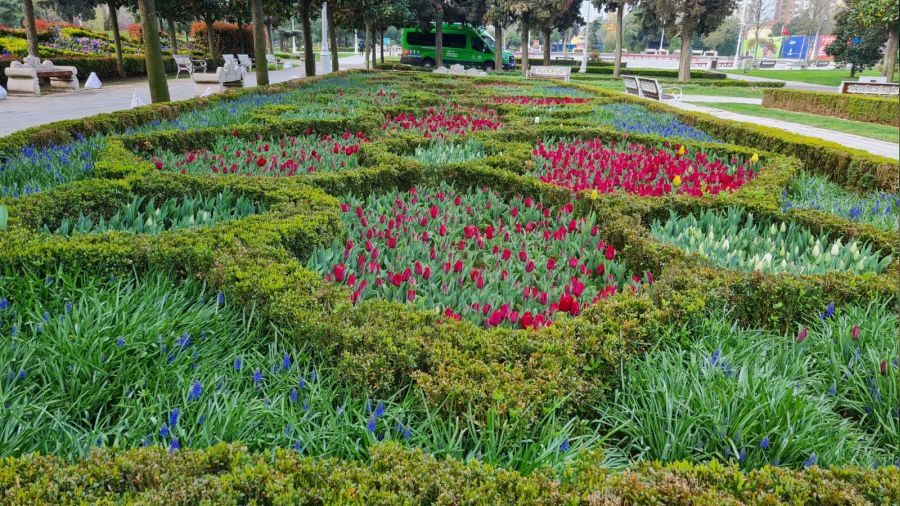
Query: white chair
x,y
272,60
245,62
631,86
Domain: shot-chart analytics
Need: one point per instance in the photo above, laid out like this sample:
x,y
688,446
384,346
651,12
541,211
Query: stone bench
x,y
459,70
228,76
549,72
25,76
651,89
871,89
766,64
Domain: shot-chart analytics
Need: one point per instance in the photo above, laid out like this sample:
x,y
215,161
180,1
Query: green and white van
x,y
464,45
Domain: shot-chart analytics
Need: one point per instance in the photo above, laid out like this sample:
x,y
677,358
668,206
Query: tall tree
x,y
30,29
209,11
307,9
498,14
883,15
114,6
617,6
854,43
10,13
689,18
69,10
759,12
259,43
156,71
555,14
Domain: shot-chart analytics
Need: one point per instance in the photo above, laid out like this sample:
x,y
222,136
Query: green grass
x,y
810,191
872,130
830,77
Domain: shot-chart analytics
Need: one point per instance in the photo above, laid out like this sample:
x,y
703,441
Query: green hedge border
x,y
884,111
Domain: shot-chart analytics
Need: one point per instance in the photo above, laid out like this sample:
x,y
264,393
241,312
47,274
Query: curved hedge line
x,y
228,474
885,111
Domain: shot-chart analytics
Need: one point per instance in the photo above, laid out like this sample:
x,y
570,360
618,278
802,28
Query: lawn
x,y
872,130
828,77
408,288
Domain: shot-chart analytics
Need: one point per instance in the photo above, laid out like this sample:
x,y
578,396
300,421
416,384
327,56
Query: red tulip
x,y
565,303
339,270
527,320
854,334
802,335
529,266
884,370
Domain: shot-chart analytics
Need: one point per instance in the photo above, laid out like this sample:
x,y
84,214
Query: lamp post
x,y
293,37
587,39
325,57
737,53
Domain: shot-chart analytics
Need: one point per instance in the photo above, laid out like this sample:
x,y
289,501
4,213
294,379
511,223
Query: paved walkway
x,y
20,112
711,98
791,85
874,146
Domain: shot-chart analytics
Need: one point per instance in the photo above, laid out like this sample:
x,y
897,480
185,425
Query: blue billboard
x,y
795,46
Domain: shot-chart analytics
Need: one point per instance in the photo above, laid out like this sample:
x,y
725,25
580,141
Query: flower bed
x,y
734,240
441,152
34,170
145,217
443,123
539,101
636,118
474,256
638,169
286,157
880,209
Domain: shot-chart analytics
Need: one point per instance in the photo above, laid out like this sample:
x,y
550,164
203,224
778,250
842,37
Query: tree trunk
x,y
381,39
332,40
117,38
524,49
546,34
309,59
211,40
367,46
374,48
156,70
259,43
890,54
684,63
173,35
620,17
269,37
756,45
565,45
30,29
498,47
439,41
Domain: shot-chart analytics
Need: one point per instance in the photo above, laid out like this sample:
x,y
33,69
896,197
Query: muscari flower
x,y
238,364
173,417
811,461
764,444
120,341
257,376
294,396
828,313
174,445
286,362
370,425
164,430
196,391
564,446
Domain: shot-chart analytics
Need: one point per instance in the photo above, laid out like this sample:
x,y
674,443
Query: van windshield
x,y
488,40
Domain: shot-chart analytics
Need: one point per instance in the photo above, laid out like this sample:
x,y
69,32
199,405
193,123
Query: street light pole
x,y
737,53
325,60
293,37
587,39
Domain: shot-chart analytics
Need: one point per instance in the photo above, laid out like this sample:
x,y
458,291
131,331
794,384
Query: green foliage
x,y
442,152
839,105
103,66
815,192
4,217
759,398
143,216
735,240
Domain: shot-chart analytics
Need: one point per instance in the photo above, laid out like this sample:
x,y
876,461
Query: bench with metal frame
x,y
650,88
549,72
187,64
274,61
631,86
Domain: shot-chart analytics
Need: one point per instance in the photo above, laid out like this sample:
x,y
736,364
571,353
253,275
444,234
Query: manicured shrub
x,y
885,111
538,101
474,256
103,66
635,168
737,241
808,191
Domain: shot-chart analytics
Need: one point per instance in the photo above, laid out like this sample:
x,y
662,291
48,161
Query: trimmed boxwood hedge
x,y
378,347
885,111
229,474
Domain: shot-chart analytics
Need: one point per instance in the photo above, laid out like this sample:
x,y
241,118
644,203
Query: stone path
x,y
20,112
711,98
874,146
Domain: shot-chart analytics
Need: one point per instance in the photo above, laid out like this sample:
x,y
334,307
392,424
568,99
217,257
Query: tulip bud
x,y
854,334
802,335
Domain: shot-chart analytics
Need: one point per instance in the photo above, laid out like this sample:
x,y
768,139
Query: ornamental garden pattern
x,y
555,280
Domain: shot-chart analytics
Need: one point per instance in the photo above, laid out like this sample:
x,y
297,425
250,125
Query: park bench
x,y
823,63
245,62
564,60
766,64
459,70
549,72
651,89
631,85
272,60
879,89
187,64
228,76
25,76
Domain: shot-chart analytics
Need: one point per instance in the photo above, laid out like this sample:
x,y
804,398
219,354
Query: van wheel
x,y
428,63
488,66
